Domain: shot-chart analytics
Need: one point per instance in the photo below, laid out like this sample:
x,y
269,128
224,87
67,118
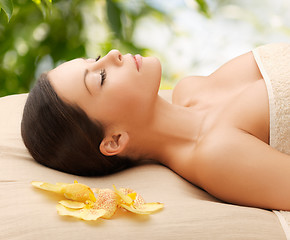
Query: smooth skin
x,y
215,133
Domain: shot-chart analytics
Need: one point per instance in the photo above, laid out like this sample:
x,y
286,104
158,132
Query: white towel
x,y
274,63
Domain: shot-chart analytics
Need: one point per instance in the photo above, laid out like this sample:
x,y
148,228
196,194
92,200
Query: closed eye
x,y
85,75
103,76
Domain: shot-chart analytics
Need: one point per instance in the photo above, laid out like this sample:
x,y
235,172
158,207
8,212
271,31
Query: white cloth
x,y
274,63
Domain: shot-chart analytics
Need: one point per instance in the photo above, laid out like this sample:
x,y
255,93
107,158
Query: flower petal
x,y
61,184
72,204
47,186
123,196
107,199
138,198
146,208
78,192
85,214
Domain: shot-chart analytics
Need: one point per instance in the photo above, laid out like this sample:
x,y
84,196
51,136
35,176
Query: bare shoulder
x,y
186,88
234,74
244,68
239,168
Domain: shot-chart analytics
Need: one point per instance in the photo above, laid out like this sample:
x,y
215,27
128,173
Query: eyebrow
x,y
85,75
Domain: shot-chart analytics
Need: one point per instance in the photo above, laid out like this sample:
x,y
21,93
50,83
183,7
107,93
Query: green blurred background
x,y
37,35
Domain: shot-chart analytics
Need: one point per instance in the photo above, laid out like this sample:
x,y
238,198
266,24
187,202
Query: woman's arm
x,y
243,170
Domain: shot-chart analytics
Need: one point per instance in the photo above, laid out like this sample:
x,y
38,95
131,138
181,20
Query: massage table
x,y
189,212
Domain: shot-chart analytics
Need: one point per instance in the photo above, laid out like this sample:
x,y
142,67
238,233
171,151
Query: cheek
x,y
130,98
116,99
127,99
124,105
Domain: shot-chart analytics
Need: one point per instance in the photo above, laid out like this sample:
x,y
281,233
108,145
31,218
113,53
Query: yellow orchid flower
x,y
76,191
133,202
105,206
85,213
83,204
106,200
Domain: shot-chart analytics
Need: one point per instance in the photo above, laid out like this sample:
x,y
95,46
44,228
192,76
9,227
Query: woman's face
x,y
114,89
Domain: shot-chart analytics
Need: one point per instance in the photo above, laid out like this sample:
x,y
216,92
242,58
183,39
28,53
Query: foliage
x,y
7,7
39,34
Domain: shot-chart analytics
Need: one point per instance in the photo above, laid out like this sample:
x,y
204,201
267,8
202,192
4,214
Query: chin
x,y
153,71
158,72
155,67
156,61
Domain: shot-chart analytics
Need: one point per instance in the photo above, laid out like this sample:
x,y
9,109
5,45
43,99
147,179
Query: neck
x,y
172,132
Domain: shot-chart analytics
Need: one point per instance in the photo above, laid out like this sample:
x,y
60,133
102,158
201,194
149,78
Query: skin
x,y
215,133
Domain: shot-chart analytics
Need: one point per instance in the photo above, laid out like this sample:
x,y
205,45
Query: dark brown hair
x,y
63,137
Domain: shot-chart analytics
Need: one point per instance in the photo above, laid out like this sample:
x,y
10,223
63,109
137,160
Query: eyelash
x,y
103,76
102,73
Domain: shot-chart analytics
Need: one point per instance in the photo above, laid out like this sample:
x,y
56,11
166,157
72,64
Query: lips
x,y
138,60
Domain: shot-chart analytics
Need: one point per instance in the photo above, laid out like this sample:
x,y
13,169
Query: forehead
x,y
67,79
69,65
66,70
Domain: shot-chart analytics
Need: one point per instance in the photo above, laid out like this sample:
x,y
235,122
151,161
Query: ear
x,y
115,144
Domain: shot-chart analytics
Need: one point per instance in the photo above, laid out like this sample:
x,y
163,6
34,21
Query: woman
x,y
97,116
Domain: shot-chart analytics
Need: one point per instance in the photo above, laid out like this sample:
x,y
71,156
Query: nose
x,y
115,56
